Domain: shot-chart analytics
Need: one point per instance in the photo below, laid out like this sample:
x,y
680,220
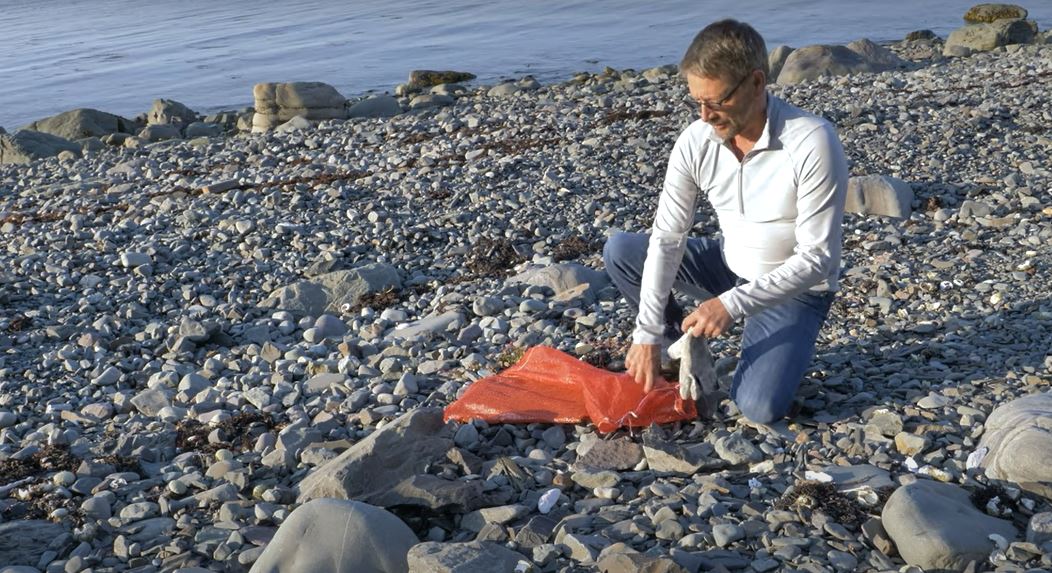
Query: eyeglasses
x,y
718,105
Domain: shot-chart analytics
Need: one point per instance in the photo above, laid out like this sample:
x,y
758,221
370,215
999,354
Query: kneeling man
x,y
777,178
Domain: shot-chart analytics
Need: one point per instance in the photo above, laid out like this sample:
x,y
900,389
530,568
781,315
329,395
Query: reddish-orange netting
x,y
551,386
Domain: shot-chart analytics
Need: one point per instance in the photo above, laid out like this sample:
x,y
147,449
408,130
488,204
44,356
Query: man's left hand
x,y
710,319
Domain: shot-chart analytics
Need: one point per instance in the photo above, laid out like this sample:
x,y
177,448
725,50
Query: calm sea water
x,y
119,55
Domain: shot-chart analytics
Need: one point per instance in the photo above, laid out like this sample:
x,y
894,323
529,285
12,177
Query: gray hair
x,y
728,50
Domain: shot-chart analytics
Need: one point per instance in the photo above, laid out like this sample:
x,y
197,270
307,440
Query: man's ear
x,y
759,79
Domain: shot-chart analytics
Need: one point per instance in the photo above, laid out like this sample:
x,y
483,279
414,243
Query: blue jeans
x,y
778,344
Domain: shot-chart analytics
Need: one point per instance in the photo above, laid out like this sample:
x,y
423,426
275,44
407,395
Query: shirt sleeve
x,y
821,172
668,239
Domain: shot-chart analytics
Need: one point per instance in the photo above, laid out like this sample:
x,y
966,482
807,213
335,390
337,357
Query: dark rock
x,y
22,542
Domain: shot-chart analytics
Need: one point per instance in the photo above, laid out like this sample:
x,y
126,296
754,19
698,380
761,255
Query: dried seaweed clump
x,y
509,356
238,432
491,257
824,497
603,353
994,500
48,459
573,247
379,300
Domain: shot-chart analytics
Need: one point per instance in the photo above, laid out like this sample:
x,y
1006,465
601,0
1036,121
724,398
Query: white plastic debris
x,y
975,458
548,500
818,476
910,464
755,483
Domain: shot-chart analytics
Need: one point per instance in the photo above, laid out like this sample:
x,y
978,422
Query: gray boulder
x,y
879,195
160,132
431,100
81,123
812,62
987,36
395,453
505,89
276,103
328,292
91,144
876,54
375,106
935,526
775,60
337,536
22,542
201,129
563,277
171,112
26,146
472,557
298,123
1019,440
986,13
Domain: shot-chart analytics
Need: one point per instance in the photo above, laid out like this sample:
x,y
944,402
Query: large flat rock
x,y
1019,440
472,557
83,122
23,542
935,526
331,292
338,536
370,469
27,146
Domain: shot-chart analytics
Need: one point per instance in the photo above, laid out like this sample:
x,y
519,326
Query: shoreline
x,y
481,83
170,376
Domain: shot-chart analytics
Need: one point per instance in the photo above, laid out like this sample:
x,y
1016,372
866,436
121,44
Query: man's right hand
x,y
644,364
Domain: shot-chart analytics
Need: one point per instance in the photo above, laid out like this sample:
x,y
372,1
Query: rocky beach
x,y
226,341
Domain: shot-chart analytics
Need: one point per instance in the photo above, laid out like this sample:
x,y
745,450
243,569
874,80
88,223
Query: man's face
x,y
726,106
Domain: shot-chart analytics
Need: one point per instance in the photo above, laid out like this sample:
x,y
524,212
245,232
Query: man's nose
x,y
706,113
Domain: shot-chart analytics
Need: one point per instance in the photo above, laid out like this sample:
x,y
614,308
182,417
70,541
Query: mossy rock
x,y
920,36
427,78
986,13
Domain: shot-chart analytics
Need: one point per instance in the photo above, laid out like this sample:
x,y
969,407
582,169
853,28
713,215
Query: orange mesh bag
x,y
553,387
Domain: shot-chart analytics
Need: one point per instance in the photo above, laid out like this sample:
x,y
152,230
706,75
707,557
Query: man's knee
x,y
617,249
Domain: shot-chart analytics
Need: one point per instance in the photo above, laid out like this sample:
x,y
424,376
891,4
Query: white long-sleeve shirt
x,y
780,209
